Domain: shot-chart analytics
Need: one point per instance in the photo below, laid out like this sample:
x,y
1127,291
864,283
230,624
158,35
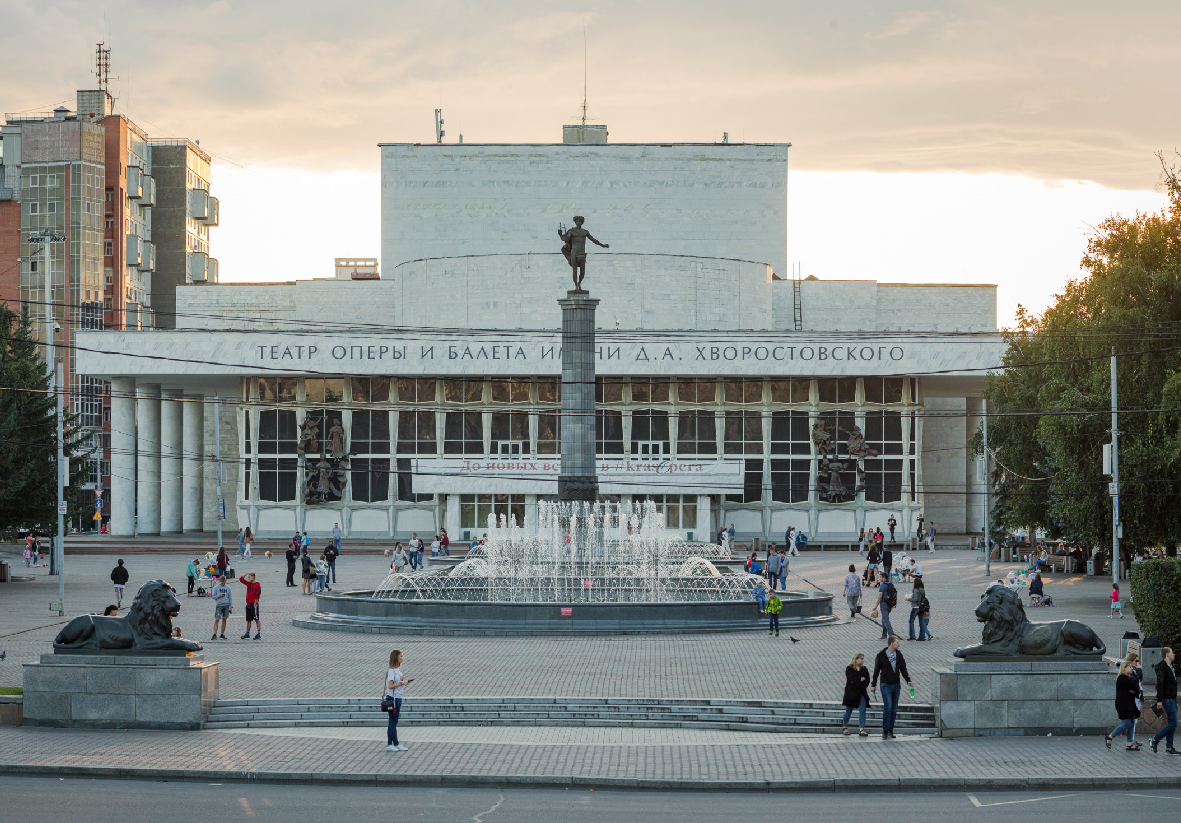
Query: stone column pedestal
x,y
578,480
116,690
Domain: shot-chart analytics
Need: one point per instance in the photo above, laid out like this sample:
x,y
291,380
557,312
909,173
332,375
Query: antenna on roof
x,y
584,76
439,132
102,66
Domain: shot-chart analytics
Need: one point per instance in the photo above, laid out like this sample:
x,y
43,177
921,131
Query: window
x,y
109,303
549,432
883,472
276,435
650,391
371,432
276,432
51,207
33,265
416,432
371,389
608,432
743,433
324,390
608,389
510,434
109,275
110,196
690,390
790,391
515,390
696,433
474,509
463,433
650,434
549,390
744,391
837,389
108,248
51,179
463,390
277,389
371,479
420,390
34,208
679,510
34,180
752,483
790,477
883,389
406,483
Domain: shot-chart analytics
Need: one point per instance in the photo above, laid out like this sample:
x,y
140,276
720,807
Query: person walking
x,y
330,554
1116,605
394,685
887,558
887,600
445,544
1128,693
793,548
305,542
856,694
892,524
916,597
192,573
119,577
253,595
248,538
773,568
920,533
863,544
291,555
1166,699
774,606
852,591
241,541
321,574
783,568
307,571
223,605
337,534
398,564
931,537
890,666
415,547
924,617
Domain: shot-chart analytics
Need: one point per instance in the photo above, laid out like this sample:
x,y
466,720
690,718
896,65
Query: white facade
x,y
443,376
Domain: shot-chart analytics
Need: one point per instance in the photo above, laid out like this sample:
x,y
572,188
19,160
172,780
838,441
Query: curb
x,y
823,785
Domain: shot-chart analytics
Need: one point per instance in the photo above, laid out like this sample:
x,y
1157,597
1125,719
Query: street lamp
x,y
57,386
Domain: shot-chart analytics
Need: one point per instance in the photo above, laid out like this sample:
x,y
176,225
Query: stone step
x,y
408,721
909,717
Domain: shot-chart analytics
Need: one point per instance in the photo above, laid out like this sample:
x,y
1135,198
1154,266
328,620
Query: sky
x,y
956,142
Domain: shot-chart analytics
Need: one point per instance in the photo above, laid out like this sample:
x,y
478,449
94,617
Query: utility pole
x,y
1116,527
987,481
60,553
221,503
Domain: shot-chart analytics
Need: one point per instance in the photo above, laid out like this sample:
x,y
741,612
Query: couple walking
x,y
890,668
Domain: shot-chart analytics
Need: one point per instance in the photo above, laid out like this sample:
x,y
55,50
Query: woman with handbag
x,y
392,703
1127,702
856,696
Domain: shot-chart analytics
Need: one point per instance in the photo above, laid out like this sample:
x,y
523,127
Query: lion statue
x,y
147,626
1008,632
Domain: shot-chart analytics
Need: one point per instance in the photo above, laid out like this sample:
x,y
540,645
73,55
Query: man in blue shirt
x,y
336,535
883,604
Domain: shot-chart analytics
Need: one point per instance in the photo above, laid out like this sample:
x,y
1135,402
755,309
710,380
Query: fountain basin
x,y
360,611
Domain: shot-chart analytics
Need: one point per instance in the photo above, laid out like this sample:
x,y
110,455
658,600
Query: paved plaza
x,y
298,662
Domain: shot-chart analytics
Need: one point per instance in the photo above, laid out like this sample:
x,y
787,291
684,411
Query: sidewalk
x,y
637,758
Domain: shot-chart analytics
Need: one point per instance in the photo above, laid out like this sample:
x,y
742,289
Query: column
x,y
147,482
122,500
702,531
452,518
578,479
192,465
171,450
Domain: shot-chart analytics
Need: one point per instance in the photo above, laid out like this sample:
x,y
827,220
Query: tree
x,y
1052,399
28,432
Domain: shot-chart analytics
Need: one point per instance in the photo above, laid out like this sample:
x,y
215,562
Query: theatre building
x,y
430,398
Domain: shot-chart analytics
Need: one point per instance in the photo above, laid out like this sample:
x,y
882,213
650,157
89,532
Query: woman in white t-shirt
x,y
394,683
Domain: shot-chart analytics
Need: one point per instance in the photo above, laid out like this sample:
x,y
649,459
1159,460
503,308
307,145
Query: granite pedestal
x,y
1024,696
578,480
111,690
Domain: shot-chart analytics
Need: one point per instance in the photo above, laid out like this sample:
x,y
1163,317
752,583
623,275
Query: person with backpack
x,y
917,595
852,591
886,603
119,577
925,618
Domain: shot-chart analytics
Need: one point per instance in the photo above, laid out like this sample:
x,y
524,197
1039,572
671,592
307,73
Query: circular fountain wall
x,y
582,568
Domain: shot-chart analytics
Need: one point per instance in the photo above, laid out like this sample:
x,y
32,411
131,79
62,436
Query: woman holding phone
x,y
394,683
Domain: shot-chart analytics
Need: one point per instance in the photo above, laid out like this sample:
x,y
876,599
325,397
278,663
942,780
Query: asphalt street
x,y
54,800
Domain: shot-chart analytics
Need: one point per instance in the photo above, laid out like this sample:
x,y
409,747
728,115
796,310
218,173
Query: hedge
x,y
1156,599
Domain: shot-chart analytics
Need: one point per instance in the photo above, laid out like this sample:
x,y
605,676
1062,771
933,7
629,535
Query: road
x,y
53,800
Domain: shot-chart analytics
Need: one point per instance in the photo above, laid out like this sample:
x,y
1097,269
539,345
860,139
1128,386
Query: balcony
x,y
211,270
149,192
198,267
135,182
199,204
147,256
214,206
135,250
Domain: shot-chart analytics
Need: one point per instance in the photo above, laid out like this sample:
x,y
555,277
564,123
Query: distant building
x,y
357,268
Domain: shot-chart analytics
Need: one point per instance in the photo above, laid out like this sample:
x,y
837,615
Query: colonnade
x,y
157,459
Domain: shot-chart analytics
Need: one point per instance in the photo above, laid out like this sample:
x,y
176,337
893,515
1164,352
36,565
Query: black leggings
x,y
192,582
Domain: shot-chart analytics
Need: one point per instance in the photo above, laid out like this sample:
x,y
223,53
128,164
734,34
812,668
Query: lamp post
x,y
53,365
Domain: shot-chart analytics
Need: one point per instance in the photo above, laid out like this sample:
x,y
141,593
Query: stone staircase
x,y
793,717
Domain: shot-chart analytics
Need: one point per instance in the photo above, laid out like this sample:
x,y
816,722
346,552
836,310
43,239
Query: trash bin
x,y
4,571
1091,572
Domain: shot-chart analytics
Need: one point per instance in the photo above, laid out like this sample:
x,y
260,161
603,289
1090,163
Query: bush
x,y
1156,599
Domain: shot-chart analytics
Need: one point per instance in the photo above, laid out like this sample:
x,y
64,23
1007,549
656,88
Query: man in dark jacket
x,y
887,562
890,665
119,577
292,555
1166,698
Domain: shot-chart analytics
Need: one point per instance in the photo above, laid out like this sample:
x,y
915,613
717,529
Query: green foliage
x,y
1052,400
28,432
1156,593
